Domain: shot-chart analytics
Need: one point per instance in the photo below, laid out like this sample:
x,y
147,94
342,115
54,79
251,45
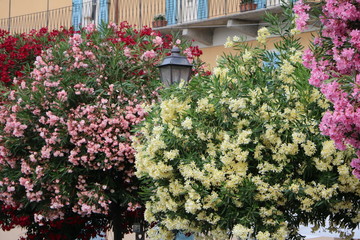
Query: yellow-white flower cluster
x,y
244,152
229,43
247,56
263,34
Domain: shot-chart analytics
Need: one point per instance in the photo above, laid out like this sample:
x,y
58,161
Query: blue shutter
x,y
203,11
171,11
103,12
181,236
76,14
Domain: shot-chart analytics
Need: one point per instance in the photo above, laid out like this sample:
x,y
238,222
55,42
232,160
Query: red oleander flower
x,y
20,50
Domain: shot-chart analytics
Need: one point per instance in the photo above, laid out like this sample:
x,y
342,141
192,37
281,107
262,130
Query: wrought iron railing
x,y
188,11
141,12
220,8
136,12
52,19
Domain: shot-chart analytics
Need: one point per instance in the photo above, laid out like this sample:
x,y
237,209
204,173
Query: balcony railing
x,y
188,10
136,12
52,19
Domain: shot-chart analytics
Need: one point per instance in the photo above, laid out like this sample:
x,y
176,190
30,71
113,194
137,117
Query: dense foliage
x,y
239,153
334,63
66,160
18,52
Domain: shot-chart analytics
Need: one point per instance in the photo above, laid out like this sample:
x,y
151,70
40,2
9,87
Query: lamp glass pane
x,y
165,73
185,73
180,73
176,74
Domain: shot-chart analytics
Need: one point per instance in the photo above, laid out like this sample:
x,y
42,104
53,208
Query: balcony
x,y
189,11
136,12
201,22
53,19
195,18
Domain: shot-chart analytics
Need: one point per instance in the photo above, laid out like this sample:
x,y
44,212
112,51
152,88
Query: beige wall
x,y
4,8
211,53
22,7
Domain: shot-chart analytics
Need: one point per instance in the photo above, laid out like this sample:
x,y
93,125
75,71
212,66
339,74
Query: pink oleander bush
x,y
65,130
334,61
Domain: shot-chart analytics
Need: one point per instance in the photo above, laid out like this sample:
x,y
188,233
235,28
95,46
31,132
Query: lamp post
x,y
138,229
175,68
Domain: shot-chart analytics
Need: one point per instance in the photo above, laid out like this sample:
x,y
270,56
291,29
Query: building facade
x,y
208,22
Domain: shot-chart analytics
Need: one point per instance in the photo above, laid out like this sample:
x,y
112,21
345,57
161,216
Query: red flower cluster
x,y
52,230
19,51
12,218
195,51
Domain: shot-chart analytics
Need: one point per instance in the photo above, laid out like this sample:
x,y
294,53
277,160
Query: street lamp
x,y
175,68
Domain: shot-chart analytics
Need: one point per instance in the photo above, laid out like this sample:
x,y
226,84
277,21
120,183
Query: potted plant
x,y
247,5
159,21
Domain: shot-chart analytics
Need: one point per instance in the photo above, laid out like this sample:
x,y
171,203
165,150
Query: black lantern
x,y
175,68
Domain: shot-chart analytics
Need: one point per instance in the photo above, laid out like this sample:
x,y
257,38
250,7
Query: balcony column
x,y
140,15
47,14
9,22
116,13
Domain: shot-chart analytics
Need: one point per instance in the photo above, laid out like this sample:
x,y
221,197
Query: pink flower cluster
x,y
148,55
86,192
335,69
98,138
65,134
301,10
